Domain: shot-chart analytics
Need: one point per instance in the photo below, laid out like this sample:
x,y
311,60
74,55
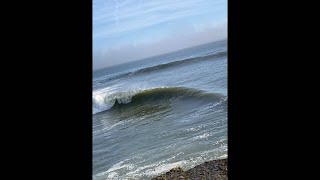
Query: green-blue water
x,y
162,112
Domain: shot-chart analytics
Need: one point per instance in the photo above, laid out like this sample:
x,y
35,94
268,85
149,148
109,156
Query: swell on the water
x,y
105,101
179,62
166,65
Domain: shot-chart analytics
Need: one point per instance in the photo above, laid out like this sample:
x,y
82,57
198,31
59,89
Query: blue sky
x,y
126,30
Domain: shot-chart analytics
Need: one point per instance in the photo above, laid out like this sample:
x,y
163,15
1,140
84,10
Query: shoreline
x,y
214,169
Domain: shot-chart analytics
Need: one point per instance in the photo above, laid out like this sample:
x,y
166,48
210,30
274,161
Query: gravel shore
x,y
212,170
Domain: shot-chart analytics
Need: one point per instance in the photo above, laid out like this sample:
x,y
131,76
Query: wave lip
x,y
105,101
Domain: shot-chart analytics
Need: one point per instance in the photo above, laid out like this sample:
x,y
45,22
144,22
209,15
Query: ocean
x,y
161,112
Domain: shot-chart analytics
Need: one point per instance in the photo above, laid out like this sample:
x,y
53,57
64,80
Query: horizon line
x,y
93,70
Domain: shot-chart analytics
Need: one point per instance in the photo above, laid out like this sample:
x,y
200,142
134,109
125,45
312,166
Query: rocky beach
x,y
211,170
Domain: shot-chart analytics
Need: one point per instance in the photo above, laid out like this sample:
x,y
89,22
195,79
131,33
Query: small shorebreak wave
x,y
105,101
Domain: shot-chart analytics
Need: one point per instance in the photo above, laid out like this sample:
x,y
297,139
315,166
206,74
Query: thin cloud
x,y
177,40
112,20
127,30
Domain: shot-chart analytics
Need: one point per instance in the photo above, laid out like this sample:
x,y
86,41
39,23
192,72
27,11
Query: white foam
x,y
163,168
194,129
126,170
111,172
109,127
203,136
104,100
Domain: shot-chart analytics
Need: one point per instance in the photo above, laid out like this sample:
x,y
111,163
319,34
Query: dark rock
x,y
212,170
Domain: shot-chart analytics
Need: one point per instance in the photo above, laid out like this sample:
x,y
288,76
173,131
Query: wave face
x,y
112,77
180,62
105,101
165,66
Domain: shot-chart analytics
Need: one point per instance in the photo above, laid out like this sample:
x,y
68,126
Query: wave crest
x,y
206,57
105,101
179,62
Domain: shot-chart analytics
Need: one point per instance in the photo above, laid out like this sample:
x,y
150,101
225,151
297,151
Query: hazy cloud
x,y
115,18
177,40
126,30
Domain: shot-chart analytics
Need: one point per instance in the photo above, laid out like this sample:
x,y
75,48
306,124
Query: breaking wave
x,y
105,101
